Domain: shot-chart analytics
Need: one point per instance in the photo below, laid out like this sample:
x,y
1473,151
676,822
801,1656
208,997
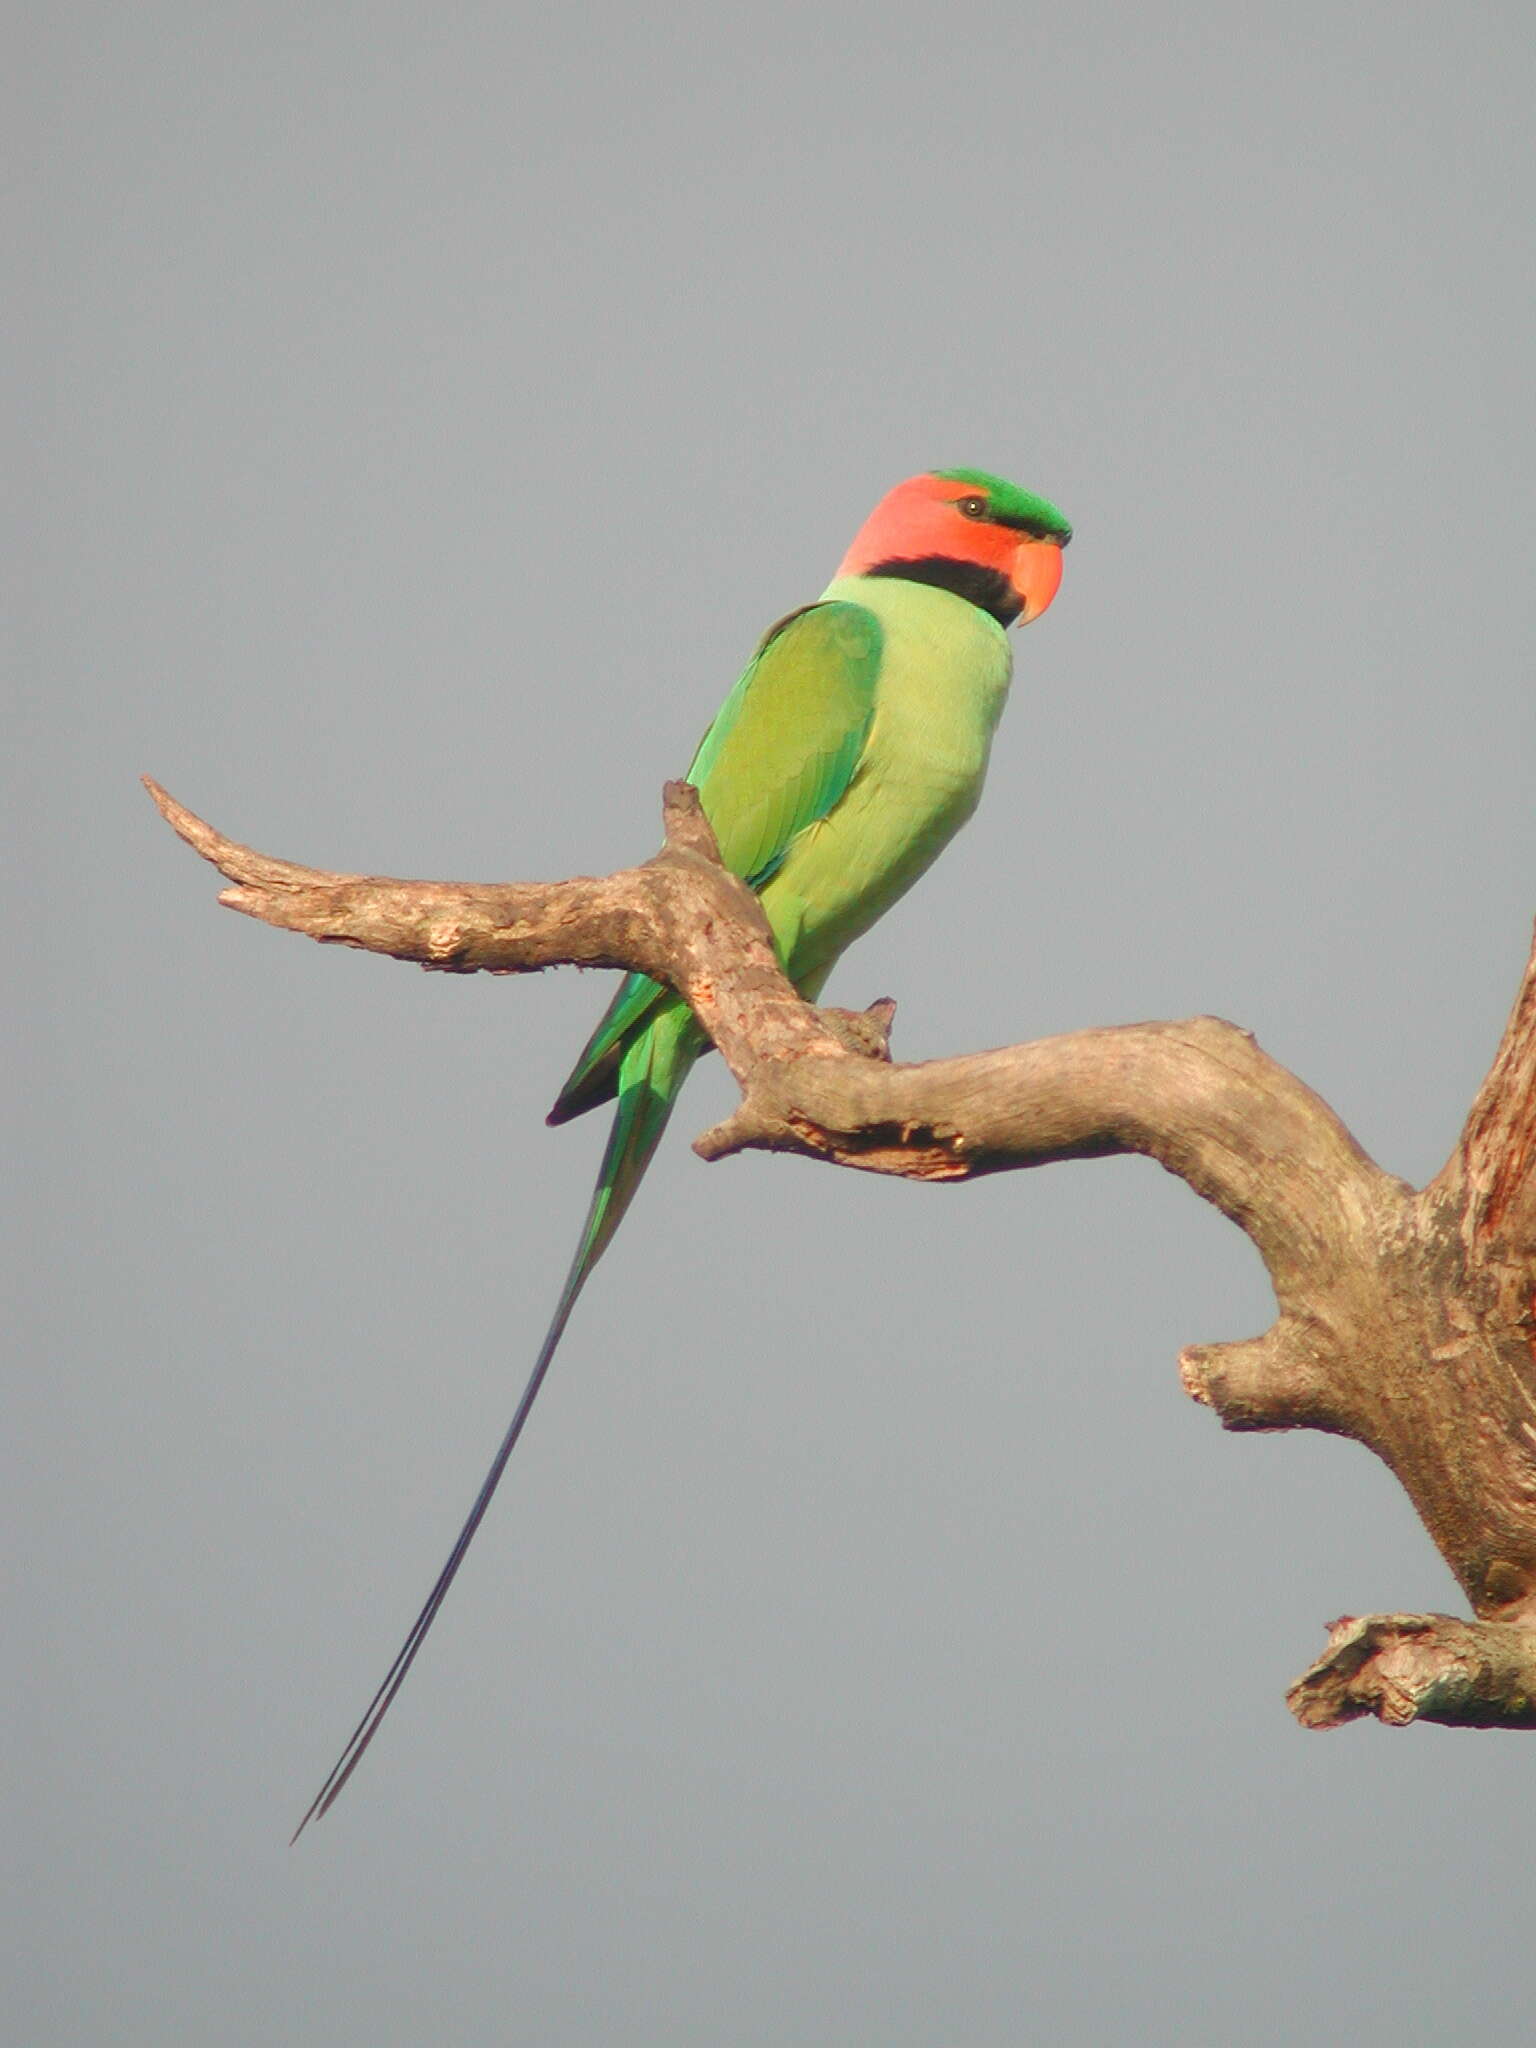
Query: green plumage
x,y
780,753
848,754
1010,506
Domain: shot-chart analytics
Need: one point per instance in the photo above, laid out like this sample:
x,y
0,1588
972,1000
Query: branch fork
x,y
1407,1319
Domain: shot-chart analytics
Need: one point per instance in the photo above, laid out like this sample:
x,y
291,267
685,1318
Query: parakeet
x,y
850,752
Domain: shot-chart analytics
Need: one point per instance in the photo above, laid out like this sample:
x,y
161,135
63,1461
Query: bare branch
x,y
681,917
1407,1321
1420,1667
1494,1166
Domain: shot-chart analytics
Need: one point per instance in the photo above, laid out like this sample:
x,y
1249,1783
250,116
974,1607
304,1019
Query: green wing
x,y
781,751
786,741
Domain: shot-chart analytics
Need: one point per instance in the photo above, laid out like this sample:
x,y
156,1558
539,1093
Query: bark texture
x,y
1407,1318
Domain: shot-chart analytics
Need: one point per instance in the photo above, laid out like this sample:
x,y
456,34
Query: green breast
x,y
944,674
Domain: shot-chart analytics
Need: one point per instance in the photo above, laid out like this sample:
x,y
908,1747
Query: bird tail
x,y
652,1070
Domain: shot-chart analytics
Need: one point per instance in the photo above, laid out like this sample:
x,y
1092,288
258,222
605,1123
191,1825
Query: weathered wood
x,y
1407,1319
1421,1667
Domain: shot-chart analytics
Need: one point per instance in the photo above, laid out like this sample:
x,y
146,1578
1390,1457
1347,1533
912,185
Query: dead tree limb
x,y
1407,1319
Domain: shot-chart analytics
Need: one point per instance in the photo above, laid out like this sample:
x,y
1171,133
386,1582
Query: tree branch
x,y
1407,1321
1493,1169
681,918
1421,1667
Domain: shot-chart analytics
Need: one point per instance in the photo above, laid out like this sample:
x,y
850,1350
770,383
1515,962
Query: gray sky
x,y
870,1643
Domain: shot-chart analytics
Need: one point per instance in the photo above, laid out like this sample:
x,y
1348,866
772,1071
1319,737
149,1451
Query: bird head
x,y
968,532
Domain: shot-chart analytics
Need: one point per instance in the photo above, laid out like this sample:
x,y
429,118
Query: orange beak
x,y
1037,576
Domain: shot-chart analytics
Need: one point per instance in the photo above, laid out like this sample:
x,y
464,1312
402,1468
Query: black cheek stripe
x,y
989,589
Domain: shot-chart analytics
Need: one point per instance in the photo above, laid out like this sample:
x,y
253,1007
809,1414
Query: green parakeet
x,y
850,752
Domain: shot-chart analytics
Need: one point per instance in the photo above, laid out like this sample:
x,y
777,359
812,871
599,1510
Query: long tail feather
x,y
652,1072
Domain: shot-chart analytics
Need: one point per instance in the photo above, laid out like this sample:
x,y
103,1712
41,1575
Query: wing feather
x,y
780,752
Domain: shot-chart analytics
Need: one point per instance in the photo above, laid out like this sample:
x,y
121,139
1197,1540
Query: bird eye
x,y
972,508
